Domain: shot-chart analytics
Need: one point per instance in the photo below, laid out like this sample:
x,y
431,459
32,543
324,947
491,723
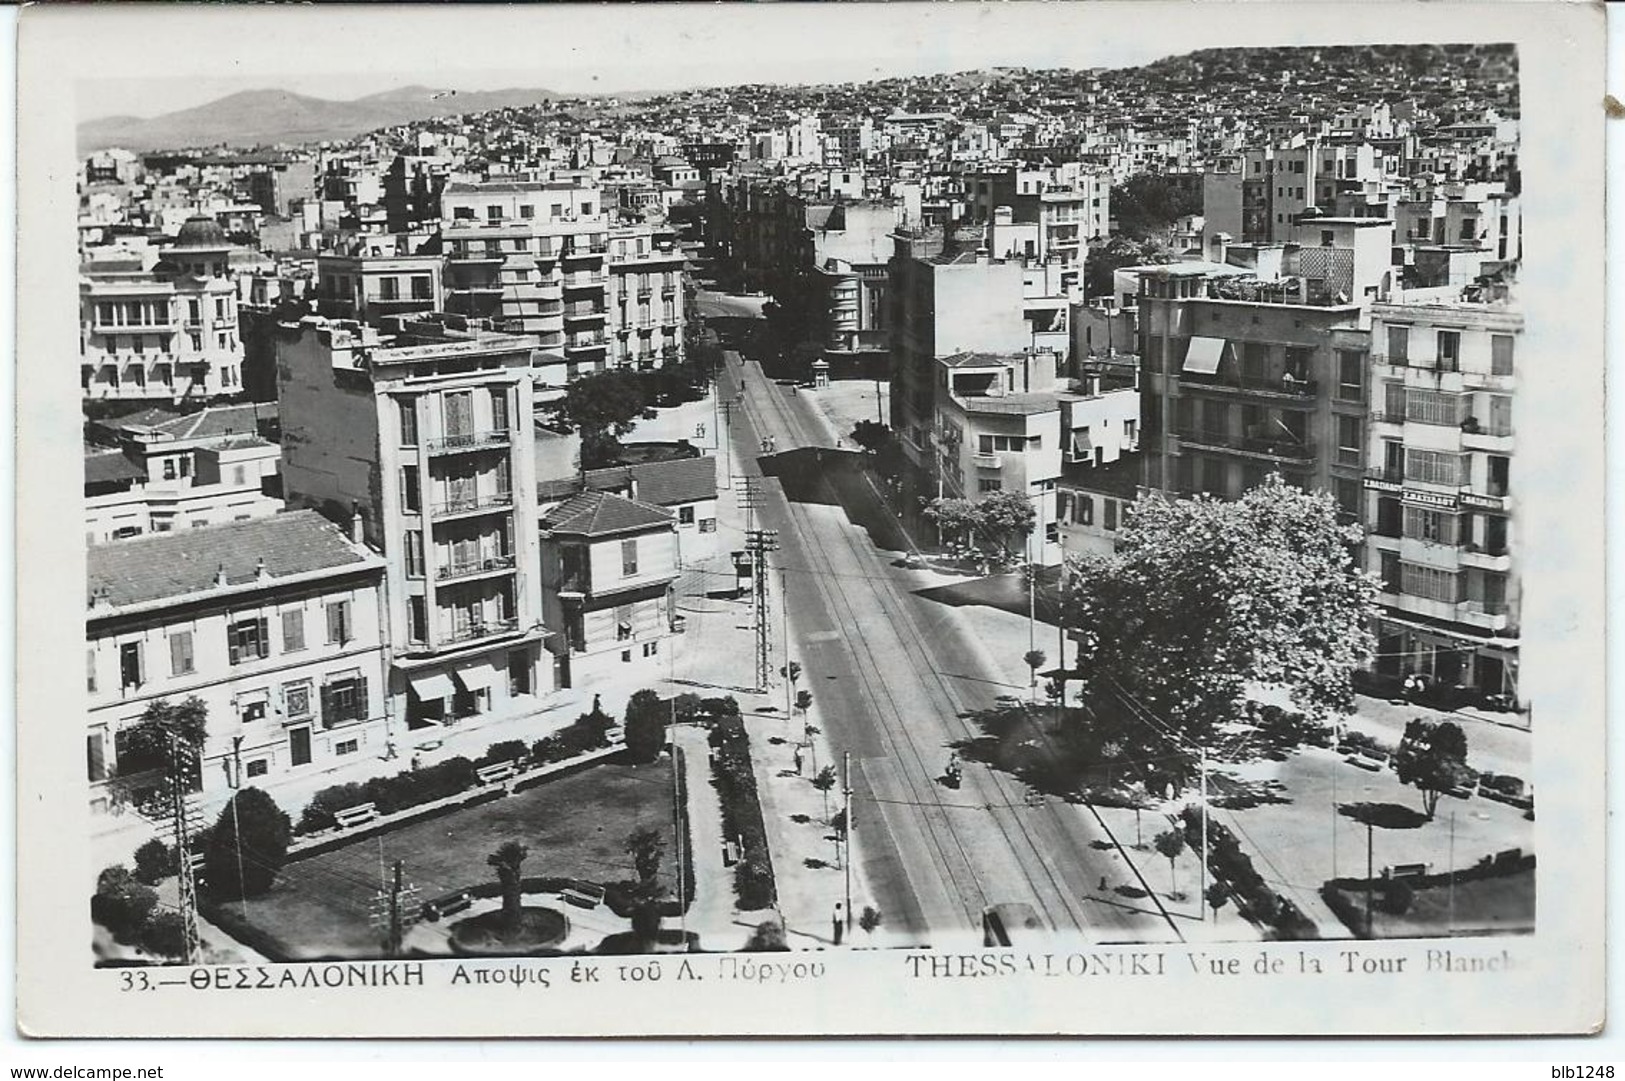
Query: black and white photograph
x,y
1067,506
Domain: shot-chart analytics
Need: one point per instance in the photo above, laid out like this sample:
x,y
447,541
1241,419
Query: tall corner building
x,y
424,440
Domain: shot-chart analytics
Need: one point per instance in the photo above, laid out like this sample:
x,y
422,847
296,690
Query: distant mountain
x,y
254,117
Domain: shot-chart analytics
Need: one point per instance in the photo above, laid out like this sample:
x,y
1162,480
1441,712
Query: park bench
x,y
450,904
1363,762
360,814
730,853
497,771
1405,870
583,894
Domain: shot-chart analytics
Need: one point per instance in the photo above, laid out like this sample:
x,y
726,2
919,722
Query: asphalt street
x,y
894,674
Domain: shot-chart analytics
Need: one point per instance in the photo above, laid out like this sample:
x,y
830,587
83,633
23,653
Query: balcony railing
x,y
467,441
595,341
473,503
1285,449
473,567
584,311
576,582
1282,387
1484,608
986,461
585,281
475,631
1390,474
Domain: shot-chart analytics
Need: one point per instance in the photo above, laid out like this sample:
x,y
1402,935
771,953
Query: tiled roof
x,y
602,513
111,465
663,484
979,360
211,423
189,561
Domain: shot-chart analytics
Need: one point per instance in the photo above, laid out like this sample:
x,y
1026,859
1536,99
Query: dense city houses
x,y
330,372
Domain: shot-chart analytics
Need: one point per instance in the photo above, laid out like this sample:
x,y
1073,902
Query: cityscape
x,y
987,509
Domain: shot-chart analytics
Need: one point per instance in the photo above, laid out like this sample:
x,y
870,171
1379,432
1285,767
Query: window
x,y
96,754
389,288
1086,509
989,485
1434,467
629,558
527,211
1429,583
1432,407
346,746
339,629
247,640
1109,517
131,673
1390,572
685,515
989,444
296,699
344,700
1435,527
253,708
1399,345
499,410
651,648
493,213
1500,354
411,497
414,553
169,469
1469,229
708,525
459,410
180,653
422,287
293,630
258,768
1449,350
1348,440
409,421
417,619
90,669
1348,496
1350,375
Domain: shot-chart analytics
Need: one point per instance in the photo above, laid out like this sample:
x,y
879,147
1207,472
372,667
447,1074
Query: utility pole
x,y
391,913
784,629
1450,918
182,809
1201,898
1370,879
759,542
724,434
846,817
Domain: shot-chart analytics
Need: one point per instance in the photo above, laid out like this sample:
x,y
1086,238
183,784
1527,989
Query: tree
x,y
872,436
1203,598
646,718
1104,260
1433,757
155,861
869,919
791,671
1035,660
647,848
824,780
145,749
1217,894
603,406
804,701
164,935
1004,519
507,860
1149,204
768,937
1170,843
837,823
121,904
246,846
955,520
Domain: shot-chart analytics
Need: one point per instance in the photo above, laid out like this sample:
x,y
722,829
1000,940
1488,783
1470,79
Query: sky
x,y
612,50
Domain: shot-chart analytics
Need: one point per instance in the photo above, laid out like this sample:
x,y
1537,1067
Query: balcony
x,y
1266,448
591,341
987,461
585,251
465,442
1496,558
578,312
473,632
1295,390
1494,499
474,504
586,281
575,585
1386,475
475,568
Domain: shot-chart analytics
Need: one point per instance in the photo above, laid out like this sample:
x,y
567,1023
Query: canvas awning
x,y
1081,447
431,685
1203,355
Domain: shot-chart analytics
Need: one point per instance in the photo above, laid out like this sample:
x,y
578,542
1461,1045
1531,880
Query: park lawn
x,y
574,825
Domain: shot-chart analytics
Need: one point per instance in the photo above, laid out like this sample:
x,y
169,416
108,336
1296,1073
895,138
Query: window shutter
x,y
361,710
233,645
327,707
264,637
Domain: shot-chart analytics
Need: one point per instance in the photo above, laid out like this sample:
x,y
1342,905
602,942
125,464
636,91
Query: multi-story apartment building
x,y
1242,378
169,332
371,282
608,565
181,472
1439,495
427,437
545,258
646,308
275,624
1069,205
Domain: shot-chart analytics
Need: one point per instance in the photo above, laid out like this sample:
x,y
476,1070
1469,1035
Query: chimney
x,y
358,524
220,577
260,574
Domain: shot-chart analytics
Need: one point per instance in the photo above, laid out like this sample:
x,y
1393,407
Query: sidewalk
x,y
711,914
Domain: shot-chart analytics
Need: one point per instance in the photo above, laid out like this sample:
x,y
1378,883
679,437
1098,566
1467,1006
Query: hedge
x,y
686,831
735,782
1254,898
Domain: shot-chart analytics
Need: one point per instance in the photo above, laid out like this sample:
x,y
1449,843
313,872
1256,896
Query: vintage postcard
x,y
785,520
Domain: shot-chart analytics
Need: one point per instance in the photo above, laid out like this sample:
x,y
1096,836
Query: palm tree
x,y
507,860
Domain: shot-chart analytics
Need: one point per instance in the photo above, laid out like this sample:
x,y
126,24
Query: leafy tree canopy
x,y
1119,252
1204,597
1148,204
246,846
1433,757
